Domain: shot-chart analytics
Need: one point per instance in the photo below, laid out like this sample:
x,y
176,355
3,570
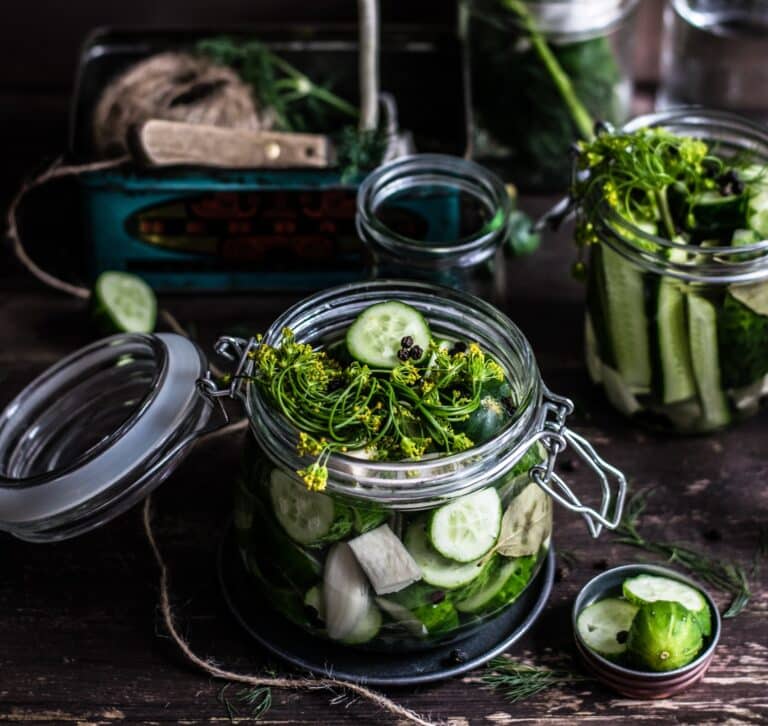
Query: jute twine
x,y
173,87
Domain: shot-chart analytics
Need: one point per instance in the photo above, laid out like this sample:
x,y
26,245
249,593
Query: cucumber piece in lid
x,y
644,589
378,335
604,626
664,636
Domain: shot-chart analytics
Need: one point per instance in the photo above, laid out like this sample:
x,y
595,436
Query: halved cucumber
x,y
604,625
467,528
308,517
627,320
124,303
436,569
375,336
651,588
702,329
502,581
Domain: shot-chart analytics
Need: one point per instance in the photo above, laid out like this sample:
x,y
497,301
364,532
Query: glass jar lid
x,y
96,432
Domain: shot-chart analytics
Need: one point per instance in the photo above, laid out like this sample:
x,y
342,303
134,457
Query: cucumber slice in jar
x,y
468,527
627,320
376,335
674,353
124,303
702,329
501,582
651,588
436,569
307,517
604,626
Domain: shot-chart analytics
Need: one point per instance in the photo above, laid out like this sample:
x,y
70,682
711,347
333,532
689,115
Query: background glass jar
x,y
523,127
298,544
714,54
437,218
669,335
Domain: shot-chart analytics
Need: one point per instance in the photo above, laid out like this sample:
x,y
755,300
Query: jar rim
x,y
717,264
416,484
412,171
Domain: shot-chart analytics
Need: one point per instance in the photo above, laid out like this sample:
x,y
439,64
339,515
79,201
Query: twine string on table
x,y
297,683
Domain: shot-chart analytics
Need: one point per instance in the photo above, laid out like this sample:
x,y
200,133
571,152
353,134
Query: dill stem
x,y
666,215
581,117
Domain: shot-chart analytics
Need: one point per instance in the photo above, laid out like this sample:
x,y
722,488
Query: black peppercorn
x,y
459,347
416,352
403,354
407,342
437,597
458,656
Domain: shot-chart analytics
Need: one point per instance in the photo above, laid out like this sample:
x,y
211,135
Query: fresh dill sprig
x,y
519,681
394,414
258,700
725,575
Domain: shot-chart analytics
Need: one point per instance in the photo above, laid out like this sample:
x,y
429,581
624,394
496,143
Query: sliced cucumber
x,y
436,569
314,599
503,579
468,527
307,517
618,393
594,364
367,629
376,335
715,213
386,561
526,524
650,588
758,212
604,625
627,320
702,328
347,598
676,369
124,303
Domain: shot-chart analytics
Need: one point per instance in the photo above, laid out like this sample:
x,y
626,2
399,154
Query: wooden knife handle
x,y
166,143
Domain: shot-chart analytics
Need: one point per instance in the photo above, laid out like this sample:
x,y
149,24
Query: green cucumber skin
x,y
703,331
627,318
598,305
673,378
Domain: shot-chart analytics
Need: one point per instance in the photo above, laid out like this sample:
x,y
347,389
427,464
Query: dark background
x,y
40,42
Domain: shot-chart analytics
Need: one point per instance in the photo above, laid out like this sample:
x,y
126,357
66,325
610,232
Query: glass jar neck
x,y
733,136
439,194
323,318
564,21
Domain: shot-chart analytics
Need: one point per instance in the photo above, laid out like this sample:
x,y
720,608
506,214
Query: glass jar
x,y
302,548
523,126
714,54
668,333
96,432
437,218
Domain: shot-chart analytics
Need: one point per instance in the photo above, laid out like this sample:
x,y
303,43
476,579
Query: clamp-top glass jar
x,y
314,554
437,218
677,333
523,121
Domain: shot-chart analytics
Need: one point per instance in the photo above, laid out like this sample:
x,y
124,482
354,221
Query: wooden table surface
x,y
80,633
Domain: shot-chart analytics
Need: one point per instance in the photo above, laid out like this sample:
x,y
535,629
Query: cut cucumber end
x,y
124,303
604,626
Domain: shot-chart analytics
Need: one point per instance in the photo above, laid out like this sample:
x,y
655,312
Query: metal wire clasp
x,y
234,349
555,437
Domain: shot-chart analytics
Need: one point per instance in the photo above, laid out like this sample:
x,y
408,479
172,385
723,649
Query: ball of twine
x,y
173,87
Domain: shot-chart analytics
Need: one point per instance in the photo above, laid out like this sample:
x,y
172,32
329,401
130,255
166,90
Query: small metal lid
x,y
98,431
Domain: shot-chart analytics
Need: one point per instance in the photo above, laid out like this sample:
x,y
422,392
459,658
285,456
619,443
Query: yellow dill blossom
x,y
406,374
692,151
315,476
309,446
413,448
611,194
461,442
495,371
